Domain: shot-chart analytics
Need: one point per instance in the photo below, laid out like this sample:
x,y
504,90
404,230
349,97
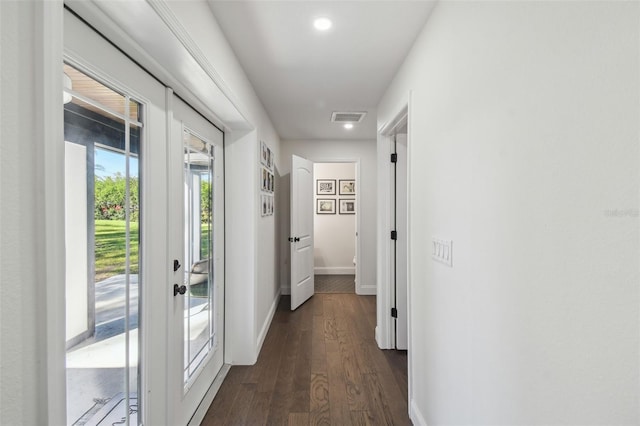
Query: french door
x,y
196,223
144,241
115,133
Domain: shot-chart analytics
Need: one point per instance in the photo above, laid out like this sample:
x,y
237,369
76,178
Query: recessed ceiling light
x,y
322,24
348,126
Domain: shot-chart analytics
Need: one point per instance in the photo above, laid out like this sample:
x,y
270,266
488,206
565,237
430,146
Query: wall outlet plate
x,y
442,251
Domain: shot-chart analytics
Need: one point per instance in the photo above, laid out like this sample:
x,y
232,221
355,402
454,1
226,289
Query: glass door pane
x,y
102,144
199,330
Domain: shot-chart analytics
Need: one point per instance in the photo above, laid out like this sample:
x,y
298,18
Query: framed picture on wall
x,y
347,187
266,156
264,153
264,179
263,204
326,187
325,206
269,159
347,206
267,205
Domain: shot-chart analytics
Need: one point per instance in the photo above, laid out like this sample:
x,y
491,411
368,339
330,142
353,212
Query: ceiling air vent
x,y
347,117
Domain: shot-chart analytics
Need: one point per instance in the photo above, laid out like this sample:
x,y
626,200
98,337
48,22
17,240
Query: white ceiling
x,y
302,75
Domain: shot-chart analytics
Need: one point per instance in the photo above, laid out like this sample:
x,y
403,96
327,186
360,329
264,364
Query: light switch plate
x,y
442,251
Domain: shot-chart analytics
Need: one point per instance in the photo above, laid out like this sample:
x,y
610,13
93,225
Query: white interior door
x,y
401,242
301,239
196,221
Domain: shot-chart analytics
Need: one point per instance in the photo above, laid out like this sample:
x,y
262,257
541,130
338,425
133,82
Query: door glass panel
x,y
134,111
102,149
199,327
93,95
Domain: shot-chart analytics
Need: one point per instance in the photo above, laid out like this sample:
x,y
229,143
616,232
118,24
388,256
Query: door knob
x,y
182,289
296,239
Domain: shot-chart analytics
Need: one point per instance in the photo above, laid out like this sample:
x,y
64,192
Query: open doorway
x,y
335,227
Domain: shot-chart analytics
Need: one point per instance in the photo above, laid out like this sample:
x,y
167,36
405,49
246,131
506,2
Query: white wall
x,y
268,279
76,230
334,234
17,220
28,280
362,151
524,151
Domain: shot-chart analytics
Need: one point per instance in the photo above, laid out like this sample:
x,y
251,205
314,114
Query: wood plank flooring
x,y
319,365
335,284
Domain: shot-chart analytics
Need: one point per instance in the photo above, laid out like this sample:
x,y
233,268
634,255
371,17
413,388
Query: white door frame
x,y
48,55
400,246
384,327
384,324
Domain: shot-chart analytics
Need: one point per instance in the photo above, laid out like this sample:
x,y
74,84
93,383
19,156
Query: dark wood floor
x,y
319,365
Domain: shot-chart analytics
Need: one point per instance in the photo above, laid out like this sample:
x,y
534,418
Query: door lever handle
x,y
182,289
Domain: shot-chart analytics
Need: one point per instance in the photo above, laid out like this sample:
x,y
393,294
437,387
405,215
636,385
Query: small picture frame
x,y
264,179
263,205
347,187
267,205
264,153
267,180
266,156
347,206
269,159
326,187
325,206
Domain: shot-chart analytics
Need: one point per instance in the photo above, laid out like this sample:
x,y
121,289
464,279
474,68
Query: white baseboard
x,y
381,340
204,405
340,270
415,415
285,291
366,290
267,323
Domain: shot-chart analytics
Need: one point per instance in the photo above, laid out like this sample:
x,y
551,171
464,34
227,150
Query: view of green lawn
x,y
111,249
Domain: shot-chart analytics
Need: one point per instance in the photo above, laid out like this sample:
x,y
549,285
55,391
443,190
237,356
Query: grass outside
x,y
111,249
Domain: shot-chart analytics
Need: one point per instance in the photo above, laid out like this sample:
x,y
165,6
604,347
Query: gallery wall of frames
x,y
267,180
335,195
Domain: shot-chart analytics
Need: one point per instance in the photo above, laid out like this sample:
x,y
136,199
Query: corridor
x,y
319,365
